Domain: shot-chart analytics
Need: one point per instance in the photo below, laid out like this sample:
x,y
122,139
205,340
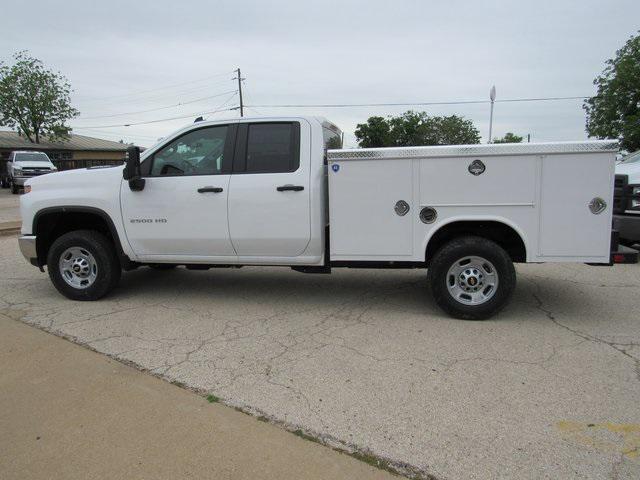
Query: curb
x,y
9,228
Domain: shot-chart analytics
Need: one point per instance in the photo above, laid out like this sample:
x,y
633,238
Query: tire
x,y
14,188
84,249
473,290
4,182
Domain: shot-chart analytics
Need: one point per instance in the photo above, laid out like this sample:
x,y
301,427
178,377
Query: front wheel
x,y
83,265
471,278
14,188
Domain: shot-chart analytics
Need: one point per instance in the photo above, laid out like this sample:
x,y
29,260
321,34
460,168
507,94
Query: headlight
x,y
18,169
27,188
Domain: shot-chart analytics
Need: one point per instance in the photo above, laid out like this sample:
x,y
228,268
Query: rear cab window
x,y
269,147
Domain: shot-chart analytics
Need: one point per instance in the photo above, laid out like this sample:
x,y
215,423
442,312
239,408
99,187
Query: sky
x,y
141,61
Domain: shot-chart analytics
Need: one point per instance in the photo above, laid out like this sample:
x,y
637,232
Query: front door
x,y
182,210
269,210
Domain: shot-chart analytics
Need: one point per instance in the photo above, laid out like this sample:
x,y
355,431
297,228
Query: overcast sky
x,y
124,57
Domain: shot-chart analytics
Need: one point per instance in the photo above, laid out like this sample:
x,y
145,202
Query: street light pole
x,y
492,96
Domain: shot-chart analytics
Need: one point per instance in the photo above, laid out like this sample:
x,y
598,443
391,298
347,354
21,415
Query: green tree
x,y
615,110
374,133
416,128
34,100
508,138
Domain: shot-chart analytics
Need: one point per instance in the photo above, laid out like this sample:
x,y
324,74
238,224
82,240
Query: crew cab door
x,y
269,190
182,211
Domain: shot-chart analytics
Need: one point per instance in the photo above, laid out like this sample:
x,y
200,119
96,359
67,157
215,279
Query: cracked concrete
x,y
365,359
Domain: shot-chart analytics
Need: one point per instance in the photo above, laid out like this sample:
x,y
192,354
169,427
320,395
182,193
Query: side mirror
x,y
132,170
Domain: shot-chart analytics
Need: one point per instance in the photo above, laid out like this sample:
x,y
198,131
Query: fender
x,y
476,218
124,258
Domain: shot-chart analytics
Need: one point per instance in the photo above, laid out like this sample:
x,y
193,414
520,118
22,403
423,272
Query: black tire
x,y
14,188
162,266
459,248
4,182
106,260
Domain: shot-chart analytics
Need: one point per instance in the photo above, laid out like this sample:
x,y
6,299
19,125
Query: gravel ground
x,y
548,389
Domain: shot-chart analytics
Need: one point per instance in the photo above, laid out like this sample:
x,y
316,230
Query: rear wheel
x,y
83,265
471,278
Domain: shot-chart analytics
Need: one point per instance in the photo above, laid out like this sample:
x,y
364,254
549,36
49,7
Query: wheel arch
x,y
52,222
498,229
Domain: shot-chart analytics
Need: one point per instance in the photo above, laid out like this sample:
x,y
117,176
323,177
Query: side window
x,y
200,152
273,147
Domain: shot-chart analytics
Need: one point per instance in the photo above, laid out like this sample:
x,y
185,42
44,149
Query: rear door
x,y
269,189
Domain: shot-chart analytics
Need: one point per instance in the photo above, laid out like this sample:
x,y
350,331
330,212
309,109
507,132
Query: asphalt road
x,y
548,389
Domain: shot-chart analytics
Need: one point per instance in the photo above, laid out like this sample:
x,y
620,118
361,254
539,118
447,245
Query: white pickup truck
x,y
274,191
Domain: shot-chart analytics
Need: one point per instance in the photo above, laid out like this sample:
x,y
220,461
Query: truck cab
x,y
23,165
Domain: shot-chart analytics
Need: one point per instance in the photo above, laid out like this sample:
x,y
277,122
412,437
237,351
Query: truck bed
x,y
542,191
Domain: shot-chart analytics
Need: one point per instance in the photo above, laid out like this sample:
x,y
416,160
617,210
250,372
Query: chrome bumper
x,y
20,180
27,245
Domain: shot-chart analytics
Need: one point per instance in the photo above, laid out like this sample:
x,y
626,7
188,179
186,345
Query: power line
x,y
159,108
401,104
195,114
164,87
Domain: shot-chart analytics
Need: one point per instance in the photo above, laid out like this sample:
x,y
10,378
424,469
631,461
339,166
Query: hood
x,y
81,177
630,169
36,164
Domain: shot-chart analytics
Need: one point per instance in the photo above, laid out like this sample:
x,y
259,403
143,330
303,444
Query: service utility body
x,y
281,191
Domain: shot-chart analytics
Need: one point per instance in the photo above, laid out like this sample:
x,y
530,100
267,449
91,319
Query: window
x,y
273,148
31,157
199,152
332,136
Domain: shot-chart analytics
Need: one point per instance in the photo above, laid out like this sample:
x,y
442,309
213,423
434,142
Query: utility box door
x,y
569,183
362,199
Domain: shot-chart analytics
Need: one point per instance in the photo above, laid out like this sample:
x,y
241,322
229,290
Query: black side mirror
x,y
132,169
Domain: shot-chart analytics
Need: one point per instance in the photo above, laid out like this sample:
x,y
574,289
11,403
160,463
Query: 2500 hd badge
x,y
148,220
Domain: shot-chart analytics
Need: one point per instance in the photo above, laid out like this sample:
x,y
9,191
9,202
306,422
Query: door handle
x,y
290,188
209,189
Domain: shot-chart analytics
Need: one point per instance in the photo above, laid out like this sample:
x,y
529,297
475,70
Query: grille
x,y
620,193
32,171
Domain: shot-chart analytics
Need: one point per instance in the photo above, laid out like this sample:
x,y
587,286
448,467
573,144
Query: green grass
x,y
212,398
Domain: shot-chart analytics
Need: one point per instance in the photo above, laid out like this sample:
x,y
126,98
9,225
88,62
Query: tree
x,y
34,100
615,110
416,128
508,138
374,133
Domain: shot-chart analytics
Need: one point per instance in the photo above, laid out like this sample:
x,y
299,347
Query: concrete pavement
x,y
69,413
9,206
364,359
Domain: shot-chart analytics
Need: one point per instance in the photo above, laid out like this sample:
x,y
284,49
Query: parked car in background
x,y
626,213
23,165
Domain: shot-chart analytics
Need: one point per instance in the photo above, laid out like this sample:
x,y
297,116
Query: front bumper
x,y
20,180
628,226
27,245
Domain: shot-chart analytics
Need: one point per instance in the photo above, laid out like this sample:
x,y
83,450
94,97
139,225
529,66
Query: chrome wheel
x,y
472,280
78,267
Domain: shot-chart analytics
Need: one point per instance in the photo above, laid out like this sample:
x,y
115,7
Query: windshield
x,y
632,158
31,157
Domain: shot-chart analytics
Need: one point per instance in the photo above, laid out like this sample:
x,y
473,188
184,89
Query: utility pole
x,y
240,79
492,96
